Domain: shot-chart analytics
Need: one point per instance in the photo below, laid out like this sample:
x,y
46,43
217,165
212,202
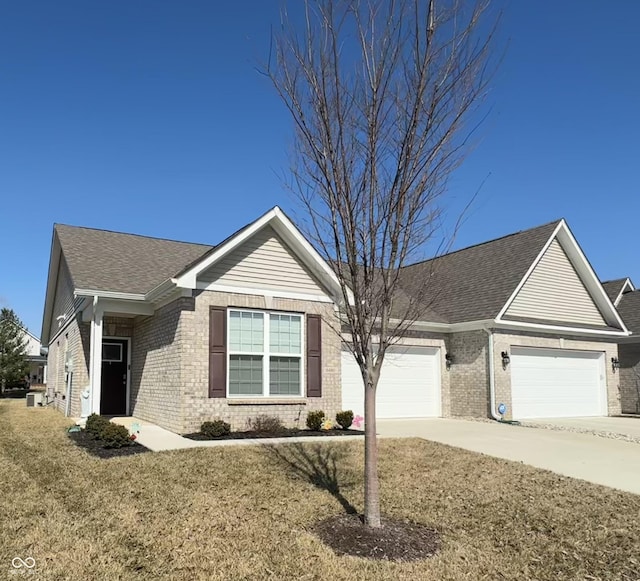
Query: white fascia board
x,y
292,236
444,327
627,283
585,272
116,306
538,258
84,293
223,288
557,329
589,278
307,252
52,283
125,307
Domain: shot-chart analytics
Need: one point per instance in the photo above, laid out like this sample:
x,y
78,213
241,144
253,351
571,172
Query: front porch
x,y
112,326
132,353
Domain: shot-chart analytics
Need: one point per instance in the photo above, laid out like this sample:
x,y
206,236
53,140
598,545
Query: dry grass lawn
x,y
246,513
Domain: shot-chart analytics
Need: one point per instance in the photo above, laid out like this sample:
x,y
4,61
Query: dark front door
x,y
113,391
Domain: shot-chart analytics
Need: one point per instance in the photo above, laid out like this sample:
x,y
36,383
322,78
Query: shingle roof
x,y
113,261
613,287
466,285
475,283
629,309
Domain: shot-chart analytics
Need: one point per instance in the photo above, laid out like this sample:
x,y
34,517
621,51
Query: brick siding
x,y
469,374
629,354
75,339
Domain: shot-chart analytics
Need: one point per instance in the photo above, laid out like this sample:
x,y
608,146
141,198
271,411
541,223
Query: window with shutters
x,y
264,354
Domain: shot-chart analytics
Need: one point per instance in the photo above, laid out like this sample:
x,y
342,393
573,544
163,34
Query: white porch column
x,y
95,356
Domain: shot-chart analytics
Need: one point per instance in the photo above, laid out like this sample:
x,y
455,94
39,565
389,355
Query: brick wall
x,y
198,406
469,374
504,341
75,339
156,378
629,354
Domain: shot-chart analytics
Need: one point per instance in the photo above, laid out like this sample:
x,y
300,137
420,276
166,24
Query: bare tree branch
x,y
380,92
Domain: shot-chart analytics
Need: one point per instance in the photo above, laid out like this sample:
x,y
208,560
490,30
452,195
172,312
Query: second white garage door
x,y
557,383
409,385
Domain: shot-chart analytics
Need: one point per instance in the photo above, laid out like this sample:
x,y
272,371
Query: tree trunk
x,y
371,489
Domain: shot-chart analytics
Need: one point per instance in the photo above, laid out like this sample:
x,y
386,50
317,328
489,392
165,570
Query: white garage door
x,y
557,383
409,385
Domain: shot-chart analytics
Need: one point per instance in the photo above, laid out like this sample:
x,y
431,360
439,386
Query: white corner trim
x,y
526,276
273,293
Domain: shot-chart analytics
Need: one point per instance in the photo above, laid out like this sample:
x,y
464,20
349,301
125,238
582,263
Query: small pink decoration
x,y
357,421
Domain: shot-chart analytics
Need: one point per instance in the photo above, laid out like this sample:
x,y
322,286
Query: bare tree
x,y
380,93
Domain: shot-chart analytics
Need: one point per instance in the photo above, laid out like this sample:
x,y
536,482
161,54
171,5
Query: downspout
x,y
492,379
492,385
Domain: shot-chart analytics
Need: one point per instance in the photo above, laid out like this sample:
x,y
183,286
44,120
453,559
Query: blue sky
x,y
148,116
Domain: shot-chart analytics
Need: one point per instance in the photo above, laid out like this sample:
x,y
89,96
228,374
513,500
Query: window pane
x,y
245,375
112,352
284,376
246,331
285,333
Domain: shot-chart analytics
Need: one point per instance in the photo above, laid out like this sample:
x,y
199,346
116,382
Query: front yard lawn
x,y
249,513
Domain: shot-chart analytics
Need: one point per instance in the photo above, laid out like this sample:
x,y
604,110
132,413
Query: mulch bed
x,y
95,448
284,434
396,540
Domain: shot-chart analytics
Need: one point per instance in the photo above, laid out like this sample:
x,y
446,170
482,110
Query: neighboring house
x,y
627,299
177,333
37,362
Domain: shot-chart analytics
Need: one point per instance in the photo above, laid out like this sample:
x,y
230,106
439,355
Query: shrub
x,y
264,423
95,425
115,436
215,428
314,420
345,419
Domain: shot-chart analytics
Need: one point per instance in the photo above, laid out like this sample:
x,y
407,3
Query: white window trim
x,y
266,354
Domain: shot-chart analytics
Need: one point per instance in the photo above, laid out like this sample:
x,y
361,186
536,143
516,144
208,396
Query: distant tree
x,y
13,350
380,93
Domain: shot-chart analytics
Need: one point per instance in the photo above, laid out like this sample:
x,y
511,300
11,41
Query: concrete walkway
x,y
611,462
158,439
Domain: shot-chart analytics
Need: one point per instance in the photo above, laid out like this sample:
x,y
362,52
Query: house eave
x,y
101,294
559,329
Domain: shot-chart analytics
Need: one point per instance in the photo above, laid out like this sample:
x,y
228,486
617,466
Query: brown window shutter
x,y
314,356
217,352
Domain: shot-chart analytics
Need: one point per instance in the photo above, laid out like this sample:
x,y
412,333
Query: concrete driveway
x,y
611,462
625,426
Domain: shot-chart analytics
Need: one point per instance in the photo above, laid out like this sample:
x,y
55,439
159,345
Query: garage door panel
x,y
409,385
556,383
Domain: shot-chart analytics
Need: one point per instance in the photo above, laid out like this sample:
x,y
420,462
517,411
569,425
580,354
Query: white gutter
x,y
492,379
558,329
89,293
